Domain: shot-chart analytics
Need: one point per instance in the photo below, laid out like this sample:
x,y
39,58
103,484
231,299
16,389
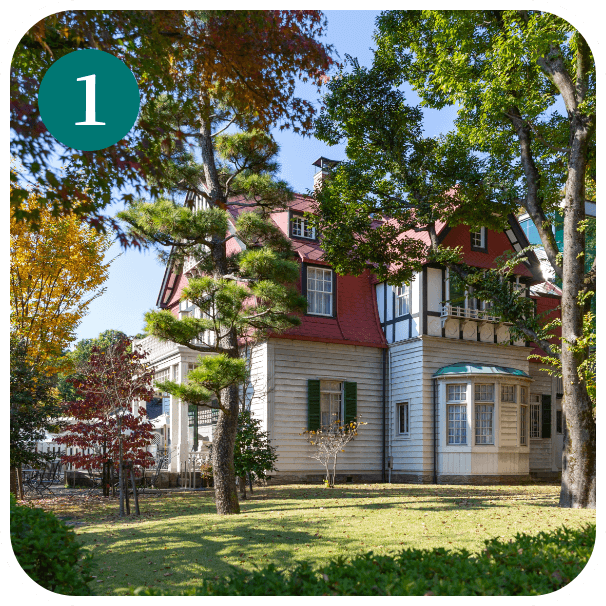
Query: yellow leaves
x,y
55,273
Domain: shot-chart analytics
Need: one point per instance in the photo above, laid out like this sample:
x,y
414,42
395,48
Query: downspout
x,y
384,412
435,431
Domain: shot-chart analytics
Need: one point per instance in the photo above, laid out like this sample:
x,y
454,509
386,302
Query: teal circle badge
x,y
88,100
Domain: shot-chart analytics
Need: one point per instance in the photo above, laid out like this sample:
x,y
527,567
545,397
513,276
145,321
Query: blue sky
x,y
135,277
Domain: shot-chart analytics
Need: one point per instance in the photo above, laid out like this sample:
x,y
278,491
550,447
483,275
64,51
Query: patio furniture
x,y
152,481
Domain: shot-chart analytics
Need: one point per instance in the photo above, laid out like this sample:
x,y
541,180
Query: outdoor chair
x,y
47,477
152,482
29,477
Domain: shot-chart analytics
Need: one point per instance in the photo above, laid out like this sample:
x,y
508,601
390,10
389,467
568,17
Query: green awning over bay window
x,y
467,368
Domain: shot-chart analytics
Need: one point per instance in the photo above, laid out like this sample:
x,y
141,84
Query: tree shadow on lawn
x,y
429,498
168,557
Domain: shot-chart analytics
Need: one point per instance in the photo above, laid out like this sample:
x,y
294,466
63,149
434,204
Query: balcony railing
x,y
466,313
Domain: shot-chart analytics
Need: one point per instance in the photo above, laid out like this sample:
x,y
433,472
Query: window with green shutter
x,y
313,404
546,416
351,401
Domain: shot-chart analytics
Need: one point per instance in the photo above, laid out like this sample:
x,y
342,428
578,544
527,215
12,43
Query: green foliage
x,y
253,452
395,182
530,565
34,408
48,551
211,376
498,55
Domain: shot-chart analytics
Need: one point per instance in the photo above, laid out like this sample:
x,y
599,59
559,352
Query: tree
x,y
249,58
245,296
254,456
329,442
55,272
34,411
505,154
105,430
512,68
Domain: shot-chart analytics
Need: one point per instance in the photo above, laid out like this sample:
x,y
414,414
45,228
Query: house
x,y
424,365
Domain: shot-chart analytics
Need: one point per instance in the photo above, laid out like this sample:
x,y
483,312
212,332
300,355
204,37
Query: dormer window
x,y
301,228
478,240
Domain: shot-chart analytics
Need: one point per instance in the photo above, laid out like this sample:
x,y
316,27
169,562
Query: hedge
x,y
48,551
528,565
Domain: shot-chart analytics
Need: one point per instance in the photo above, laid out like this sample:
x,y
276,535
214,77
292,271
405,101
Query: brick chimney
x,y
325,166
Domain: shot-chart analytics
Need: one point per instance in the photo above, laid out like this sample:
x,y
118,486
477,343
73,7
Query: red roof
x,y
357,318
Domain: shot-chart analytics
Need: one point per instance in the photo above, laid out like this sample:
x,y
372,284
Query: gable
x,y
497,243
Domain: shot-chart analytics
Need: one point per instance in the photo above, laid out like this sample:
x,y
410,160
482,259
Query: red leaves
x,y
109,384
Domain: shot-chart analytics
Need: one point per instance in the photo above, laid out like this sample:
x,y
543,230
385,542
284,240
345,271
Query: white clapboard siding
x,y
508,434
258,384
414,453
294,362
541,449
412,365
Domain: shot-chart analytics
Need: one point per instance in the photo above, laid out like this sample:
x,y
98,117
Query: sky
x,y
135,277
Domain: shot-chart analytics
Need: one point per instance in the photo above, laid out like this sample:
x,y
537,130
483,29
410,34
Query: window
x,y
535,416
162,375
457,414
330,402
319,291
403,418
484,423
456,393
508,393
478,238
402,300
484,392
457,424
523,395
523,424
302,229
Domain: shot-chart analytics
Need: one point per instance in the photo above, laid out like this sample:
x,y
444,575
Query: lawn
x,y
179,538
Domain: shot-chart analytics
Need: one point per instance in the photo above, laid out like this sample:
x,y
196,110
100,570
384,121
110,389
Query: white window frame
x,y
313,302
456,402
403,408
536,422
484,413
402,300
524,425
301,228
505,390
482,238
335,395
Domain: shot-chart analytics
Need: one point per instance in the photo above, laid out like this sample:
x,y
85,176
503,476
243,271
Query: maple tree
x,y
55,274
105,427
251,59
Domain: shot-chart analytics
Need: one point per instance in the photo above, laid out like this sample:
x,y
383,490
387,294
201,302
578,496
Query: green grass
x,y
180,539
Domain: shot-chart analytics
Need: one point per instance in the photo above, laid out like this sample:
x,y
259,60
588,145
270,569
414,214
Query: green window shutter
x,y
313,404
546,416
351,401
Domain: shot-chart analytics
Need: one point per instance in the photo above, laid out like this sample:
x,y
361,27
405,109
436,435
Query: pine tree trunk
x,y
242,483
579,455
224,439
14,483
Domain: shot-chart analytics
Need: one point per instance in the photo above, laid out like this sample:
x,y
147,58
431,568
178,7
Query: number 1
x,y
91,116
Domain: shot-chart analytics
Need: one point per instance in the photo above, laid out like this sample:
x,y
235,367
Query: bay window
x,y
484,413
457,413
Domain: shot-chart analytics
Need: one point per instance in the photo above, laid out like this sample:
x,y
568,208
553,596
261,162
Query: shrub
x,y
48,551
529,565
